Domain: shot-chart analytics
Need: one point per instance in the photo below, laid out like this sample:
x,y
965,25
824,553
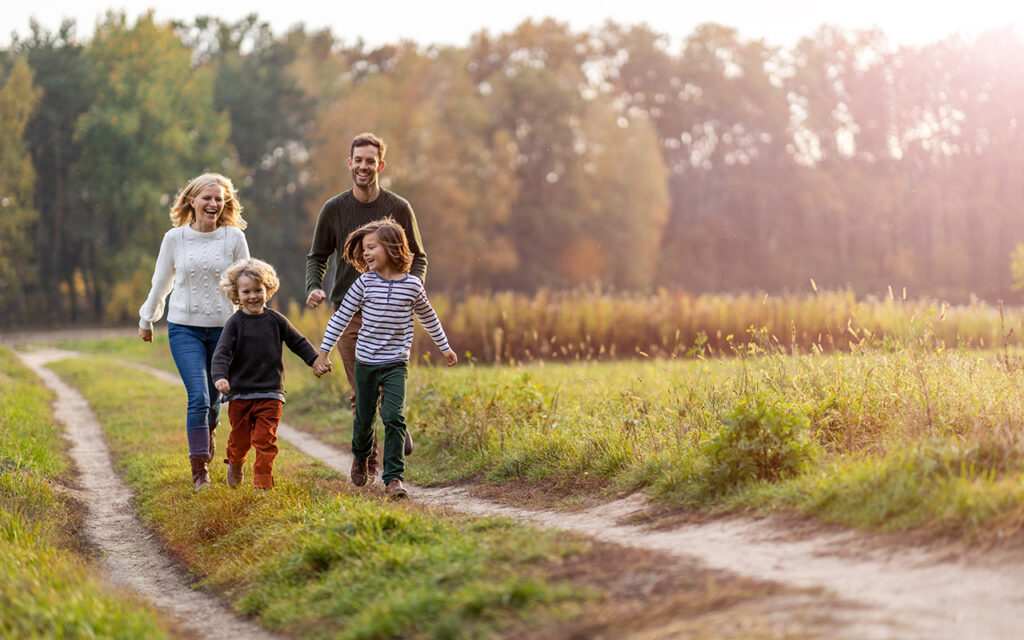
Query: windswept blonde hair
x,y
259,271
183,213
392,238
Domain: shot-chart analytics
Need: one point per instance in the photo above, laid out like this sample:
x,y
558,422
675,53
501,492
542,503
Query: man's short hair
x,y
368,139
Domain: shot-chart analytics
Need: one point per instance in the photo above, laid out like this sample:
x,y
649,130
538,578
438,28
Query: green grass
x,y
315,557
47,588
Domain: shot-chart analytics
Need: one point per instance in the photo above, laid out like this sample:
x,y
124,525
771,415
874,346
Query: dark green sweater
x,y
340,216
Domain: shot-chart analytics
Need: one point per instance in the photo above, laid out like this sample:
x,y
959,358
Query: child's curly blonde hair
x,y
261,272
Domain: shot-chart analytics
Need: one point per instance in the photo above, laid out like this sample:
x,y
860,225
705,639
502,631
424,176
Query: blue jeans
x,y
192,348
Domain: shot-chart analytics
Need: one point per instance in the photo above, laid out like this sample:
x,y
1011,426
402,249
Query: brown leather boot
x,y
200,472
358,472
233,477
395,491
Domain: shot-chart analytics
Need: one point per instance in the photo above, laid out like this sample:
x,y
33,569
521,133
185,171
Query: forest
x,y
541,159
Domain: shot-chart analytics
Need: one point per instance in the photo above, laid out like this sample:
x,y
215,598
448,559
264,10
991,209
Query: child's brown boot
x,y
395,491
234,475
358,472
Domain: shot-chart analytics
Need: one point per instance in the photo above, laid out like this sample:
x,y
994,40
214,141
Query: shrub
x,y
759,441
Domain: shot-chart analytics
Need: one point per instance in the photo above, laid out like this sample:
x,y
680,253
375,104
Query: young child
x,y
388,296
248,370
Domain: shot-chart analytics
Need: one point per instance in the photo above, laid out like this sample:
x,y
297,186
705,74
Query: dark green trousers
x,y
391,379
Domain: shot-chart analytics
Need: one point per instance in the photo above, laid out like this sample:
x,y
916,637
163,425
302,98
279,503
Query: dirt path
x,y
131,555
888,592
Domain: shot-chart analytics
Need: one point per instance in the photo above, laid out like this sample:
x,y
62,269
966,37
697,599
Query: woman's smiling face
x,y
208,206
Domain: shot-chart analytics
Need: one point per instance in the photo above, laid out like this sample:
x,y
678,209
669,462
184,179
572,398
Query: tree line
x,y
536,158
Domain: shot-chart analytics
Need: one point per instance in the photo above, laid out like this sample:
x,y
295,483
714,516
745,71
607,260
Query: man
x,y
365,202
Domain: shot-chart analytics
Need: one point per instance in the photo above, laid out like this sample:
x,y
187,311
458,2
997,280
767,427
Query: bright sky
x,y
781,22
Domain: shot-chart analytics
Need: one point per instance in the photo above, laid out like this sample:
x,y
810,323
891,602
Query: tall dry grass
x,y
595,325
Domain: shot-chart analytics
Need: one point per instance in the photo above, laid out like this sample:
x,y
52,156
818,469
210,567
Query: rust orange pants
x,y
254,425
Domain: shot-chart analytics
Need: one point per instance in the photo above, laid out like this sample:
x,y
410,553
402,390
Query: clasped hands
x,y
322,365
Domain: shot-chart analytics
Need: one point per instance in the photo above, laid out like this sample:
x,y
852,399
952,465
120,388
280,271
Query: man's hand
x,y
451,357
315,298
223,385
146,334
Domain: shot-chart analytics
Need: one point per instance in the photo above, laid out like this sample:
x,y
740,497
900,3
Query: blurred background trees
x,y
537,158
18,99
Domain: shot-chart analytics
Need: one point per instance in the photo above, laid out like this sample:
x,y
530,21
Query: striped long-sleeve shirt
x,y
387,307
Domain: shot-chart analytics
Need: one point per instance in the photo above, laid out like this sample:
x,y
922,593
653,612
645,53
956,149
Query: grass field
x,y
904,439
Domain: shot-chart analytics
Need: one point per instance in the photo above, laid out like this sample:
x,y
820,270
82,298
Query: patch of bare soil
x,y
651,595
131,555
575,495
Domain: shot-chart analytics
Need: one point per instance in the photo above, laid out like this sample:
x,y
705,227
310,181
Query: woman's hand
x,y
146,334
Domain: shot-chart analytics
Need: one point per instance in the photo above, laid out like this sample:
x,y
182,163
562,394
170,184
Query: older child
x,y
248,370
388,296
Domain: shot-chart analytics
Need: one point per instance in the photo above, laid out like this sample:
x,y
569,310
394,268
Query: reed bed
x,y
582,325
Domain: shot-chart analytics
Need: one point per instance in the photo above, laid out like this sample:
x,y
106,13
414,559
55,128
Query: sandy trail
x,y
887,593
130,553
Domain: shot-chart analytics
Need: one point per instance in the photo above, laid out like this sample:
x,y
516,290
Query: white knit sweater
x,y
189,268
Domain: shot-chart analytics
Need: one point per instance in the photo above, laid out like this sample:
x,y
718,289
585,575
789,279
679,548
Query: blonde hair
x,y
392,237
261,272
182,211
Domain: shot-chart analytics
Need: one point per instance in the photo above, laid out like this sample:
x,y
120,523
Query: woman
x,y
206,239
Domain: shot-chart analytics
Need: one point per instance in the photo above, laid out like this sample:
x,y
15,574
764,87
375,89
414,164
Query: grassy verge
x,y
318,558
906,438
48,589
890,439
